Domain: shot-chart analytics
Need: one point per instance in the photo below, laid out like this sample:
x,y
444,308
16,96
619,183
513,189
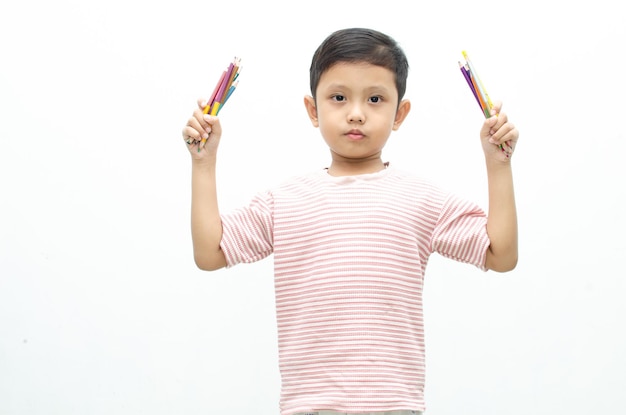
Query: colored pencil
x,y
477,87
207,107
468,79
222,91
479,91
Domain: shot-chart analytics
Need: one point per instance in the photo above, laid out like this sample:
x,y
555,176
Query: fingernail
x,y
205,136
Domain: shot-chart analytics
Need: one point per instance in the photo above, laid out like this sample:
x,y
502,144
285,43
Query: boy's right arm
x,y
206,223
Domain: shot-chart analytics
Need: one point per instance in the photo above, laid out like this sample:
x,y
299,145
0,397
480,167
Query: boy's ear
x,y
401,113
311,109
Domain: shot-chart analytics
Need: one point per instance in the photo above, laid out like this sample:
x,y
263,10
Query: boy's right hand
x,y
202,133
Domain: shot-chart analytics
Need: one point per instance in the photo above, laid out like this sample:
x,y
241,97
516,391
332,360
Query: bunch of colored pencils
x,y
223,90
477,87
480,93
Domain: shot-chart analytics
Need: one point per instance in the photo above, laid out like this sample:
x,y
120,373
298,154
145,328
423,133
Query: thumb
x,y
214,122
201,103
496,108
488,124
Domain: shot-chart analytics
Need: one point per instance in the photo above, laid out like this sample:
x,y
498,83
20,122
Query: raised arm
x,y
206,224
499,137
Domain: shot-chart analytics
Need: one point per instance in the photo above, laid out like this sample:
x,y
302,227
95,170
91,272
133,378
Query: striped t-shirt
x,y
349,259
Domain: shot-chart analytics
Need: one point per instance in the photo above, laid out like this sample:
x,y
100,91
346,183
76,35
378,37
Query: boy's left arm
x,y
499,137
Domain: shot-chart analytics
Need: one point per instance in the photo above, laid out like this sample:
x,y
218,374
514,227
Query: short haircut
x,y
359,45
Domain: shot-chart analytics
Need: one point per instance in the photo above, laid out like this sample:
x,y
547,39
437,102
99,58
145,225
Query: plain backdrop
x,y
102,310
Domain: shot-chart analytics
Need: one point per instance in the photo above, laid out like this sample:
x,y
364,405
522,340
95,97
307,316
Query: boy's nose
x,y
356,115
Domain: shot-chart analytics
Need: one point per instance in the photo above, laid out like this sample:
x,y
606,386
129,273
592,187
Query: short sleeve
x,y
247,231
461,232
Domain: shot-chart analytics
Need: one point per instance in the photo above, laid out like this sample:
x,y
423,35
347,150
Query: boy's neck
x,y
354,169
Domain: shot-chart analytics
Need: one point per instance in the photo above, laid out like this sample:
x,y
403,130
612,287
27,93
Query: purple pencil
x,y
466,75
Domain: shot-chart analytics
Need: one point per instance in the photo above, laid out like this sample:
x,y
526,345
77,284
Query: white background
x,y
102,310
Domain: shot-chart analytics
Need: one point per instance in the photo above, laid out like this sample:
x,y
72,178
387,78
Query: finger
x,y
505,133
190,141
201,104
214,129
199,122
204,120
213,125
488,127
190,133
511,136
496,107
500,120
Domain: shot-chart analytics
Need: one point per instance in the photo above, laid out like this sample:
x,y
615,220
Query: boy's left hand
x,y
498,135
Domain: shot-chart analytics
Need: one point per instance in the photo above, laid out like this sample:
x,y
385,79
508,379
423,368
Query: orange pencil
x,y
483,104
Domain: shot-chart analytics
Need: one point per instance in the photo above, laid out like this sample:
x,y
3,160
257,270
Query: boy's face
x,y
356,110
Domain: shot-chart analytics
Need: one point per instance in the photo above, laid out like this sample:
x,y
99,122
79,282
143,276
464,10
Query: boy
x,y
351,242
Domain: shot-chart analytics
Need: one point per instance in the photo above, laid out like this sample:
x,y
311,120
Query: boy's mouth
x,y
355,134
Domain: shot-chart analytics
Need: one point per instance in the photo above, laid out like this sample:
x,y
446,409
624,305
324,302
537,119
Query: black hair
x,y
359,45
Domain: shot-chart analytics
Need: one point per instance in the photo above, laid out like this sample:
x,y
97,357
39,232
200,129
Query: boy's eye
x,y
375,99
339,98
